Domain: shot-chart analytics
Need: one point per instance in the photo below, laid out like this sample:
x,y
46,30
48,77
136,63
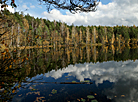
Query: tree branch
x,y
72,5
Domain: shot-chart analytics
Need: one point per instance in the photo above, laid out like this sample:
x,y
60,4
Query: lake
x,y
73,74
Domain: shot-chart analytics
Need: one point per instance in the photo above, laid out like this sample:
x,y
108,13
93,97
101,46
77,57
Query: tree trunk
x,y
87,35
94,35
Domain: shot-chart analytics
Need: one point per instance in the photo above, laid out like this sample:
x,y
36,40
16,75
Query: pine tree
x,y
87,35
73,34
80,36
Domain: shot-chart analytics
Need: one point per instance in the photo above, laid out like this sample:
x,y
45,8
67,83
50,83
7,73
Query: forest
x,y
19,30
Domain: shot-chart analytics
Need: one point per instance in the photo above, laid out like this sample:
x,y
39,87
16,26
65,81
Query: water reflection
x,y
115,79
123,75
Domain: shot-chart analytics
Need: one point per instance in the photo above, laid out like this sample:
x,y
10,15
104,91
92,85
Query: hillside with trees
x,y
25,30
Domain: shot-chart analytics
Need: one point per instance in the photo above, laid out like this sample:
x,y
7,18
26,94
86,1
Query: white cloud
x,y
20,1
25,6
39,6
32,6
55,14
118,12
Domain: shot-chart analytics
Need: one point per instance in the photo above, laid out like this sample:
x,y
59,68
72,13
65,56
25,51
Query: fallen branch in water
x,y
59,82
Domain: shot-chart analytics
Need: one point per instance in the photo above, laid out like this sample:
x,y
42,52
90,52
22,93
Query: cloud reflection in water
x,y
124,75
99,72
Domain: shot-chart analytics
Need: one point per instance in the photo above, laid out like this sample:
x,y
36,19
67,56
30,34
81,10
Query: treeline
x,y
27,30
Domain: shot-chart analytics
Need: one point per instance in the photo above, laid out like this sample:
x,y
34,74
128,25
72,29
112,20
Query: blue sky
x,y
109,13
36,9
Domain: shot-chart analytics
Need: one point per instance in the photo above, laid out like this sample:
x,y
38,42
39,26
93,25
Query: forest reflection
x,y
40,61
46,59
43,60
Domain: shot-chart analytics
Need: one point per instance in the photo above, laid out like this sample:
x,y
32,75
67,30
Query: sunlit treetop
x,y
73,6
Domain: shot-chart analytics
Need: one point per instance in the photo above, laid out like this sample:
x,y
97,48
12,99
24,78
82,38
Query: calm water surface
x,y
89,74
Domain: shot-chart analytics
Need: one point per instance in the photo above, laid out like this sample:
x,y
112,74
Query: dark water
x,y
103,74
